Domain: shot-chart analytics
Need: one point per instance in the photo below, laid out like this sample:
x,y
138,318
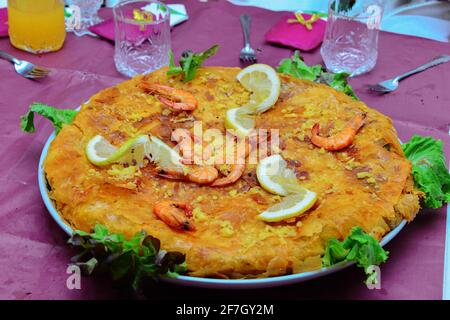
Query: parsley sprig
x,y
189,62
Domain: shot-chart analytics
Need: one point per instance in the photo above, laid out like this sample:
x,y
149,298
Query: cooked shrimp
x,y
340,140
237,169
177,99
236,172
203,174
170,174
175,214
185,142
197,174
188,145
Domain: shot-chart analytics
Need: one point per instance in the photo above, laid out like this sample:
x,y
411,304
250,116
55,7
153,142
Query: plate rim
x,y
211,283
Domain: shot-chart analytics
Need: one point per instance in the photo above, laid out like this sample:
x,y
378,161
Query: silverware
x,y
247,53
24,68
392,84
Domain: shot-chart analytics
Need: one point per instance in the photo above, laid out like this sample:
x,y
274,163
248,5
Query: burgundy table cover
x,y
3,22
33,252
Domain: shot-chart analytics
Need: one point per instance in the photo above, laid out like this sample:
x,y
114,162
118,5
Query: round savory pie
x,y
366,184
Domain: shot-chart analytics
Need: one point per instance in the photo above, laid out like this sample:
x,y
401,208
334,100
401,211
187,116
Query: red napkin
x,y
104,29
296,35
3,22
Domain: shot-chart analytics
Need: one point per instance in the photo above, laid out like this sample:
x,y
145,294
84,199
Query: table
x,y
33,253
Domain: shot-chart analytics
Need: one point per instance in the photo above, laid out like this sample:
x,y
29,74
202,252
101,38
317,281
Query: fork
x,y
392,84
247,53
24,68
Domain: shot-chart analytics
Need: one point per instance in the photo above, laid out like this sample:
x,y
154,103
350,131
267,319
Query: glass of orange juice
x,y
36,26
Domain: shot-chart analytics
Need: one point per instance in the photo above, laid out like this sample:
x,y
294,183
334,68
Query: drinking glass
x,y
36,26
86,14
351,37
142,36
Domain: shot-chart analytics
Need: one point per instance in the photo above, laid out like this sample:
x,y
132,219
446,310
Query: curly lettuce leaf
x,y
130,262
359,247
58,117
189,62
296,67
428,169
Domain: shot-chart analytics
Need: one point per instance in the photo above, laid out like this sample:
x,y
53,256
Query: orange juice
x,y
36,25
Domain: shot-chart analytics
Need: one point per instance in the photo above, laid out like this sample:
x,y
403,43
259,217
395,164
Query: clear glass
x,y
142,36
36,26
86,14
351,37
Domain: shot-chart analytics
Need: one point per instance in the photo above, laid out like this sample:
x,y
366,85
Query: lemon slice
x,y
274,176
165,156
291,206
263,81
240,121
100,152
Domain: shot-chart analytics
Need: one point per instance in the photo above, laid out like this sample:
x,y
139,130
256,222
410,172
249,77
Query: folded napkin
x,y
3,22
295,34
105,29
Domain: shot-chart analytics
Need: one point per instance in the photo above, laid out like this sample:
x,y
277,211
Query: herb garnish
x,y
189,62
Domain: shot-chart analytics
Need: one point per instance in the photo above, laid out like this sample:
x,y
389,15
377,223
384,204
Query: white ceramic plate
x,y
208,282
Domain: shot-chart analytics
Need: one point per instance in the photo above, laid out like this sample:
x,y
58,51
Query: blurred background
x,y
423,18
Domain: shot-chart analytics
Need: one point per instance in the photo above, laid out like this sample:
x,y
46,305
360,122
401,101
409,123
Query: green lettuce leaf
x,y
189,62
359,247
296,67
428,169
338,81
129,262
58,117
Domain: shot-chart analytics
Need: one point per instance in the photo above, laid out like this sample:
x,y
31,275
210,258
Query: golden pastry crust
x,y
367,184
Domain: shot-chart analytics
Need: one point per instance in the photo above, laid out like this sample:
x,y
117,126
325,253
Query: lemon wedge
x,y
240,120
291,206
100,152
165,156
263,81
274,176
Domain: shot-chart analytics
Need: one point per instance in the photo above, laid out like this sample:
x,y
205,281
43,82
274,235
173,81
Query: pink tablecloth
x,y
33,254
